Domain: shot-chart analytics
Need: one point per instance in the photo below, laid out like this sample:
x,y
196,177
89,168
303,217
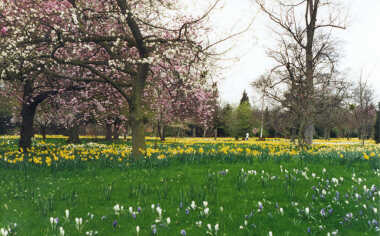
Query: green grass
x,y
255,196
30,198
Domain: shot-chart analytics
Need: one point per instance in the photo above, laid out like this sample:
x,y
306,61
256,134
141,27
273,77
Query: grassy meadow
x,y
188,186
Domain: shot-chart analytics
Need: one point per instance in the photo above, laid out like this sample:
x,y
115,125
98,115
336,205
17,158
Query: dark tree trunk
x,y
116,134
108,132
161,131
327,132
43,132
28,112
73,135
26,132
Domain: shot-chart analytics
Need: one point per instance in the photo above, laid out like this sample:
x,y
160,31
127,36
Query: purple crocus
x,y
187,211
374,222
323,212
133,215
114,224
330,211
183,232
138,209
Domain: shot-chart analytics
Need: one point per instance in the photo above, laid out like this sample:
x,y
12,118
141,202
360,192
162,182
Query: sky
x,y
246,59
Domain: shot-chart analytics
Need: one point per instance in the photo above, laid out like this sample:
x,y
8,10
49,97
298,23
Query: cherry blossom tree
x,y
125,44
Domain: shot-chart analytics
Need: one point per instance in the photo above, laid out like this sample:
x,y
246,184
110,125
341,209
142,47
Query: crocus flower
x,y
61,231
183,232
114,224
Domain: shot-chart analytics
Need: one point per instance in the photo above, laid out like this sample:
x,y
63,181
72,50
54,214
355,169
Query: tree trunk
x,y
204,131
108,132
26,132
116,133
74,135
43,132
161,131
309,133
28,112
194,131
137,114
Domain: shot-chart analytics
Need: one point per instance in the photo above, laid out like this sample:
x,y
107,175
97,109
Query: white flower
x,y
130,209
375,210
3,232
209,226
282,211
307,211
159,210
78,221
116,208
324,170
51,220
270,233
216,227
61,231
206,210
193,204
67,213
221,209
168,220
205,203
137,229
241,227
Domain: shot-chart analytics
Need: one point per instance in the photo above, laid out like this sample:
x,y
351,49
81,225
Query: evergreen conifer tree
x,y
244,98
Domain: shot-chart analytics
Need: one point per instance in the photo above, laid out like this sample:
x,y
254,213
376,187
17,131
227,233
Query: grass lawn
x,y
193,194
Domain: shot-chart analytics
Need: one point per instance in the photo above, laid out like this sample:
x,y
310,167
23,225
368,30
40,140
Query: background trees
x,y
364,109
305,73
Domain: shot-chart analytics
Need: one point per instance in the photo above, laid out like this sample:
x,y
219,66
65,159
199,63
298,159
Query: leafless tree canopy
x,y
305,80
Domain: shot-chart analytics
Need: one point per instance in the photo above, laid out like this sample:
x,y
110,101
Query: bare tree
x,y
306,57
364,109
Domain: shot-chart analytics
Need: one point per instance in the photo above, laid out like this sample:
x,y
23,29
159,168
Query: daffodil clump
x,y
56,153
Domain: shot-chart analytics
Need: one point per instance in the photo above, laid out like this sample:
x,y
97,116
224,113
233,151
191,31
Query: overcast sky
x,y
247,60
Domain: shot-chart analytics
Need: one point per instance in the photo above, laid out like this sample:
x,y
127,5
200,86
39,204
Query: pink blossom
x,y
4,30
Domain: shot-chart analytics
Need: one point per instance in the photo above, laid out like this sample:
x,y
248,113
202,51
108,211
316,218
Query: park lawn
x,y
204,187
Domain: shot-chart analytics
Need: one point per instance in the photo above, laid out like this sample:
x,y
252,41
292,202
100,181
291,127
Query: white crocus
x,y
206,210
61,231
